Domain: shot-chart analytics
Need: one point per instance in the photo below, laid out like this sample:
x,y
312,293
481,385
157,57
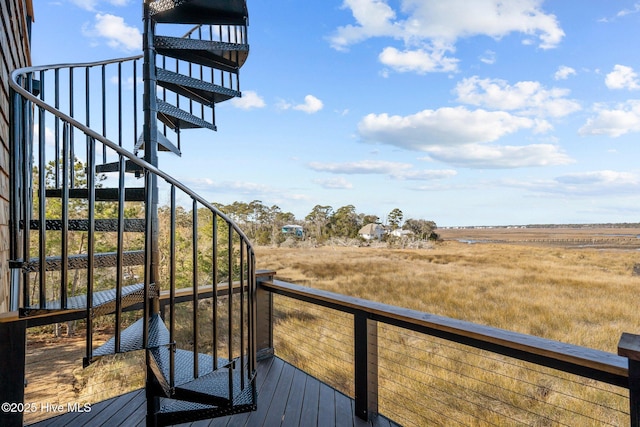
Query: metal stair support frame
x,y
70,132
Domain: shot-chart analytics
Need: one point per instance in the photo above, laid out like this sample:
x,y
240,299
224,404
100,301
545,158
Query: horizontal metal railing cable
x,y
505,361
463,383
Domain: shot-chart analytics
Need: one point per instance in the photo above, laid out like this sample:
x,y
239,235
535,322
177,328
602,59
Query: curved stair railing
x,y
89,241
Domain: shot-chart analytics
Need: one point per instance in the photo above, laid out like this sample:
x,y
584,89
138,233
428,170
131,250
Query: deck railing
x,y
418,368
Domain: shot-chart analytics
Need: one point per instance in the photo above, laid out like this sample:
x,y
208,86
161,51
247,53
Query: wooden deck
x,y
287,396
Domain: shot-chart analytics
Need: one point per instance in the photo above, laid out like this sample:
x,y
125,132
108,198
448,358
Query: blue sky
x,y
464,113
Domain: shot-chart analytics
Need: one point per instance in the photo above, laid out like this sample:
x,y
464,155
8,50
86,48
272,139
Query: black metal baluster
x,y
242,364
196,348
42,209
120,104
253,314
172,290
135,101
26,198
148,257
214,316
67,169
230,309
91,196
104,112
56,83
120,249
72,154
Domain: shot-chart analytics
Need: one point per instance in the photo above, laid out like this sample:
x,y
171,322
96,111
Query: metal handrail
x,y
14,85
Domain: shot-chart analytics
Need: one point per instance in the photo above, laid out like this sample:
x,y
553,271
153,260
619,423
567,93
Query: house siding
x,y
14,53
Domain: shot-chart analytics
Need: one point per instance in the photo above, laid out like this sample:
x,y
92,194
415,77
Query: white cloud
x,y
395,170
591,183
311,105
92,4
338,183
86,4
429,29
117,33
564,72
615,122
418,60
482,156
489,57
361,167
603,177
625,12
249,100
425,175
622,77
463,137
444,126
526,97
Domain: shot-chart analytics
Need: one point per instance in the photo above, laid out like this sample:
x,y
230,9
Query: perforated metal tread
x,y
129,166
103,301
223,12
175,118
216,54
130,225
197,90
178,411
135,194
163,144
131,337
184,364
81,261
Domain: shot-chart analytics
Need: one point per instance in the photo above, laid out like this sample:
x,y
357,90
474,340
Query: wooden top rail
x,y
595,364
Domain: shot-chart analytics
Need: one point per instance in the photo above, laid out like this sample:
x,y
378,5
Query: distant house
x,y
293,230
399,232
372,231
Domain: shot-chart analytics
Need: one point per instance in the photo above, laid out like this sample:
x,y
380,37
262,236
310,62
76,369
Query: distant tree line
x,y
263,224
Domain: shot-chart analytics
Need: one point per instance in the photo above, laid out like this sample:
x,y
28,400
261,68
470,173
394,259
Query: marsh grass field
x,y
568,292
574,285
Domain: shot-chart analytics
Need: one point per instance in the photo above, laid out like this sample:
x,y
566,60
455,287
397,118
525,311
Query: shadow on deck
x,y
287,396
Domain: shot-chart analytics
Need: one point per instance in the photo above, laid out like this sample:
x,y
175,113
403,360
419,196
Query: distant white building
x,y
293,230
372,232
399,232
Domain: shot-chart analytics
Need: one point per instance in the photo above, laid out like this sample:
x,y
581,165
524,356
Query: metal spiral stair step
x,y
216,54
176,118
163,144
103,301
129,167
135,225
179,411
210,387
224,12
135,194
198,90
81,261
131,338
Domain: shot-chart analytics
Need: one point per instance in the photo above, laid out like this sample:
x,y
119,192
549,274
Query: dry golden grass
x,y
586,297
576,295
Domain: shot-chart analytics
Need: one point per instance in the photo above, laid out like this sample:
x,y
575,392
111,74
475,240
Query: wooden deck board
x,y
287,397
293,409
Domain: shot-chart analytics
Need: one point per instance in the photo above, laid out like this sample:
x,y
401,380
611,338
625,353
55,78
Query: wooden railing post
x,y
12,350
629,347
264,317
365,333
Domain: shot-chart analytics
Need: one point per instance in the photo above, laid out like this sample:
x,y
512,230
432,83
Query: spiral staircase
x,y
74,180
